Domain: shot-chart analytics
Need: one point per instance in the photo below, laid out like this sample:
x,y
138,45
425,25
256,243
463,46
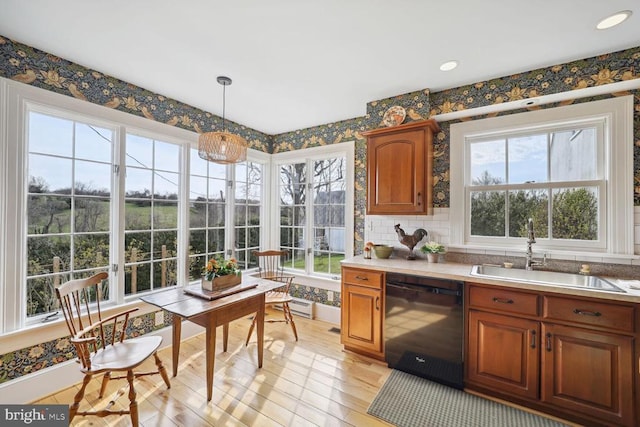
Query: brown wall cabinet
x,y
400,169
362,311
580,351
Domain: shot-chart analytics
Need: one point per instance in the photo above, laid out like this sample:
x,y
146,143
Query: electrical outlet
x,y
329,295
159,318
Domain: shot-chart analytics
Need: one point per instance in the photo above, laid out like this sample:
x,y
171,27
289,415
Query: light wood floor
x,y
309,382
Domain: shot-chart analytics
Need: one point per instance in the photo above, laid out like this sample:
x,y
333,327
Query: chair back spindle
x,y
270,266
99,344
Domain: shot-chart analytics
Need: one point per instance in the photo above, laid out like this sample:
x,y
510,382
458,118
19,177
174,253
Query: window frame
x,y
16,99
308,155
615,115
51,111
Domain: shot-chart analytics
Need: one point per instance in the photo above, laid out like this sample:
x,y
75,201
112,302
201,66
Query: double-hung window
x,y
314,208
565,168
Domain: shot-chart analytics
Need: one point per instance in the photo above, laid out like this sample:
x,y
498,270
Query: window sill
x,y
39,333
315,281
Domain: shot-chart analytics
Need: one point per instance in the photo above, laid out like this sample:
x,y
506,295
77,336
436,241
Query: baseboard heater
x,y
300,307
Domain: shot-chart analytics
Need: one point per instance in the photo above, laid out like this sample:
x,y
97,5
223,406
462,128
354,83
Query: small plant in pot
x,y
219,274
433,250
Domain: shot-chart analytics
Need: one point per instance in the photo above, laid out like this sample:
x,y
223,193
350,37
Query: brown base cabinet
x,y
588,372
362,311
504,355
570,356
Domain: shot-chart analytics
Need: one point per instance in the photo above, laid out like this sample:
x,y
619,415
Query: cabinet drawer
x,y
372,279
594,313
504,300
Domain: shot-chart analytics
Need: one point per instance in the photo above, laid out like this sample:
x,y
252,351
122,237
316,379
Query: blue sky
x,y
527,159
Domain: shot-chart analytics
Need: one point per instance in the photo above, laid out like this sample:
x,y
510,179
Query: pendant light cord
x,y
224,103
224,81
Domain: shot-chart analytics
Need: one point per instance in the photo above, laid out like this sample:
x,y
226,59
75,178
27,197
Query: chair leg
x,y
105,381
289,318
73,410
162,370
253,324
133,405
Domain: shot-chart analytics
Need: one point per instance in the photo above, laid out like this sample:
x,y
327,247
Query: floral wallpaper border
x,y
31,359
34,67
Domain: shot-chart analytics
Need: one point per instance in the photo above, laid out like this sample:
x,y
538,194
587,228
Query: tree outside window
x,y
550,177
312,206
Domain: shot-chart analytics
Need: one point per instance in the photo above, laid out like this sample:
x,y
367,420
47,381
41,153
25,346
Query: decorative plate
x,y
394,116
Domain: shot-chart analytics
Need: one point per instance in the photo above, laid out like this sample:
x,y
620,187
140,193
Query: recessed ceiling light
x,y
613,20
449,65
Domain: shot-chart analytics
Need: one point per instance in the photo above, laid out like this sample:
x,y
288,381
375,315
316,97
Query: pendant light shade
x,y
222,147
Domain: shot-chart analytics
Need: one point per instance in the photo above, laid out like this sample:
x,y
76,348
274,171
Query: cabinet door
x,y
396,173
361,318
504,353
588,372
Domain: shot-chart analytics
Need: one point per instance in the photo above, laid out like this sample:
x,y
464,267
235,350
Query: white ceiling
x,y
302,63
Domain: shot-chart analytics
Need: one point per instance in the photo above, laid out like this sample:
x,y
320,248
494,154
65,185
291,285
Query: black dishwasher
x,y
424,328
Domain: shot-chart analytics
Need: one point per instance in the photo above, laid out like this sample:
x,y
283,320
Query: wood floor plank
x,y
311,382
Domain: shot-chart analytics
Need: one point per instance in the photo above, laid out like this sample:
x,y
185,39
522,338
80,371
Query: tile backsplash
x,y
380,229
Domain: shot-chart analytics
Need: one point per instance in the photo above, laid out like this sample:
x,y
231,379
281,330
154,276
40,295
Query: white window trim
x,y
617,114
346,149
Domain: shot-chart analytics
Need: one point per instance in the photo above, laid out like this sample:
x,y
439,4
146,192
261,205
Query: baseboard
x,y
40,384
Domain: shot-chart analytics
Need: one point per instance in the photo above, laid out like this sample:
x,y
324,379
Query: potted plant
x,y
433,250
219,274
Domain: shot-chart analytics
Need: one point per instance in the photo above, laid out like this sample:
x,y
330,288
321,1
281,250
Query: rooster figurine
x,y
410,241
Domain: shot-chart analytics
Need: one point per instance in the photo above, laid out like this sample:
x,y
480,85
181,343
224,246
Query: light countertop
x,y
462,272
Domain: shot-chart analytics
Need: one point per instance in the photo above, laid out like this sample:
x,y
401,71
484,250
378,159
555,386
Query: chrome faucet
x,y
529,262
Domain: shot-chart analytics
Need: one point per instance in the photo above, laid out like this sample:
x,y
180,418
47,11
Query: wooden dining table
x,y
213,313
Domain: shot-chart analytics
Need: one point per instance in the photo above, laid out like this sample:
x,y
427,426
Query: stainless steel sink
x,y
545,277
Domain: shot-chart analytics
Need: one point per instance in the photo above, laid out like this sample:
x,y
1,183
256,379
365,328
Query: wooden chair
x,y
101,345
270,267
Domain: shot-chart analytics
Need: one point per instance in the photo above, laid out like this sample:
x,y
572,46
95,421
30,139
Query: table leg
x,y
225,336
260,330
175,341
210,354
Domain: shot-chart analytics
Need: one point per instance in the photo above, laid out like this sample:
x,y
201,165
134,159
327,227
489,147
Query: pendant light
x,y
222,147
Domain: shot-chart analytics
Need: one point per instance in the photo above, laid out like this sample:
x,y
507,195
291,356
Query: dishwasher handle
x,y
425,288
